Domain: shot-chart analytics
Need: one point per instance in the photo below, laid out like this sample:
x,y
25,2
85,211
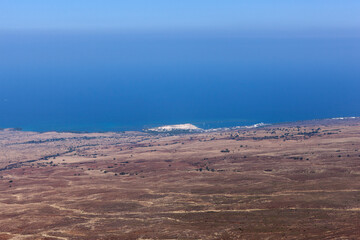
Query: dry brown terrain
x,y
290,181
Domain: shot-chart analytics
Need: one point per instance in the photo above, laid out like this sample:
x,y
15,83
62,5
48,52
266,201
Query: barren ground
x,y
290,181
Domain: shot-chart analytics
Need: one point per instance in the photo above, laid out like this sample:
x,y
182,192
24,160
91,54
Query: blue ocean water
x,y
68,81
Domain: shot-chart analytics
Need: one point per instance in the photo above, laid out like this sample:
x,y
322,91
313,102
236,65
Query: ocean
x,y
103,81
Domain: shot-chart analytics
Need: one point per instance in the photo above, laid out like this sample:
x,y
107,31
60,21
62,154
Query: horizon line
x,y
283,32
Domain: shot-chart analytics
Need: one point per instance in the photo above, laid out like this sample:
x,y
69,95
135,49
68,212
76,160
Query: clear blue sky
x,y
180,14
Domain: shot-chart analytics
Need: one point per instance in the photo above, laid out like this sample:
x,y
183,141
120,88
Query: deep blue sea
x,y
103,81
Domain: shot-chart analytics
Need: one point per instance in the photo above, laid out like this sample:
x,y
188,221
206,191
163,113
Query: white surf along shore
x,y
344,118
188,127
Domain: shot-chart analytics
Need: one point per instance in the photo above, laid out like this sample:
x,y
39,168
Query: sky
x,y
146,15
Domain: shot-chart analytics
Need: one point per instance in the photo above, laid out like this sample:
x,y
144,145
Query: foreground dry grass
x,y
278,182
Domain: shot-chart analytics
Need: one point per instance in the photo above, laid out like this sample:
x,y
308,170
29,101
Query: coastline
x,y
201,130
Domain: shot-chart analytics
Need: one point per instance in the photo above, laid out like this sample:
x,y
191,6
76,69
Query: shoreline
x,y
200,130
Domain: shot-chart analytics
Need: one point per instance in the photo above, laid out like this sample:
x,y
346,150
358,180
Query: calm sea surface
x,y
104,81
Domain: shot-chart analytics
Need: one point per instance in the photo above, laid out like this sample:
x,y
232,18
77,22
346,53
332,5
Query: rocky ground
x,y
290,181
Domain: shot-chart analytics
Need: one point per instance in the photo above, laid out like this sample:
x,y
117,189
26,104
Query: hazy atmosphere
x,y
142,15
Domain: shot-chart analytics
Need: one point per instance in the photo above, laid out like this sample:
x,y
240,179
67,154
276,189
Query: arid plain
x,y
289,181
